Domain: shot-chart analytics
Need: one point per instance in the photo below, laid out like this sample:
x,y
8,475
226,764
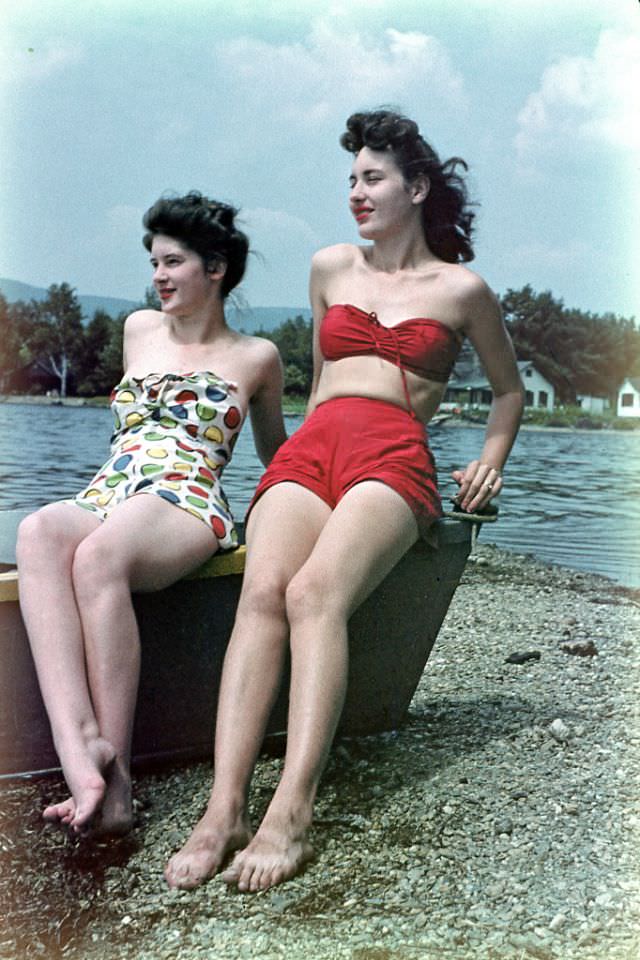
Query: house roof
x,y
481,383
634,381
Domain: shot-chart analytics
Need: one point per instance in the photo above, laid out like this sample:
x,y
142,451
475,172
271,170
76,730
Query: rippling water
x,y
569,497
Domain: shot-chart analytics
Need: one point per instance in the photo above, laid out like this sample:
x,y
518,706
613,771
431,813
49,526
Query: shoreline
x,y
291,411
500,820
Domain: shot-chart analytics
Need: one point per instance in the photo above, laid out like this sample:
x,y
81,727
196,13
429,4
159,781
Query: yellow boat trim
x,y
223,565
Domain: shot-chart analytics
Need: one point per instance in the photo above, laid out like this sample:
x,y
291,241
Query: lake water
x,y
570,497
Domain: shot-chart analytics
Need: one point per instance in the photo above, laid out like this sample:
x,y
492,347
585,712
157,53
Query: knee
x,y
263,596
310,596
96,568
39,534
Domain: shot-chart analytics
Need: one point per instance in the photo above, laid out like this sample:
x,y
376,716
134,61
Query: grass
x,y
578,418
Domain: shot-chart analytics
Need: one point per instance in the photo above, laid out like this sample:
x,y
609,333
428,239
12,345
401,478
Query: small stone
x,y
504,825
558,921
580,648
523,657
559,730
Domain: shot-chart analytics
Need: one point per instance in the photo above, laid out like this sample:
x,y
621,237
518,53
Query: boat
x,y
184,633
438,419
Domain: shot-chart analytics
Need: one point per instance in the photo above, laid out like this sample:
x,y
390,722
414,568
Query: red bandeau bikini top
x,y
426,347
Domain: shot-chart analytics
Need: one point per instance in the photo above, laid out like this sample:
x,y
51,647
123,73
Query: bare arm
x,y
266,404
317,286
482,479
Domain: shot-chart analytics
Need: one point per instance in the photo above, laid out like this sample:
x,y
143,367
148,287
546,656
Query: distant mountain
x,y
244,318
14,290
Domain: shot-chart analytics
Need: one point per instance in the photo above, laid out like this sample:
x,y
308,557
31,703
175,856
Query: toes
x,y
182,878
60,812
231,874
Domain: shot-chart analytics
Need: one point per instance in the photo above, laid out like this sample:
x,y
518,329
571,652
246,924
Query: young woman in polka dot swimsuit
x,y
189,382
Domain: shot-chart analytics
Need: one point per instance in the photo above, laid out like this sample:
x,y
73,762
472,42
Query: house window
x,y
543,399
528,398
487,397
626,400
528,372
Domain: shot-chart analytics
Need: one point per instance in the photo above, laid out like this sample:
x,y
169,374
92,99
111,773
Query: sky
x,y
107,104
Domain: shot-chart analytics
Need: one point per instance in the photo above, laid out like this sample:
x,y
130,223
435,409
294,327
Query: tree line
x,y
48,345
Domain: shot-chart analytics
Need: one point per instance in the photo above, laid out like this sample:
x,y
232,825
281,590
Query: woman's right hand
x,y
479,482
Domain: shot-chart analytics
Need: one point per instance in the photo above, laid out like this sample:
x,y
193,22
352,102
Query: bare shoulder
x,y
259,351
337,257
467,284
143,320
475,298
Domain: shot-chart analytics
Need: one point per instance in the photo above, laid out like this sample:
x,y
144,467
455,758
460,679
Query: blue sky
x,y
106,104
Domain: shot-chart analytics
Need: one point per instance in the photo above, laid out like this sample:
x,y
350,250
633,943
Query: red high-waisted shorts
x,y
350,439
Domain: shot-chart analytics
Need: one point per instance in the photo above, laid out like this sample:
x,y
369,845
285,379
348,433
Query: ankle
x,y
229,809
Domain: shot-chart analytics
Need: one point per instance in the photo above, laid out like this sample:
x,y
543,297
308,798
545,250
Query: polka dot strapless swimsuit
x,y
174,435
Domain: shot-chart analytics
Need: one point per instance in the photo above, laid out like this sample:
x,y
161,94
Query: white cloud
x,y
333,69
587,100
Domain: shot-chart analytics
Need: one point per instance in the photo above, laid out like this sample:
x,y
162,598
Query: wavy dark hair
x,y
447,219
205,226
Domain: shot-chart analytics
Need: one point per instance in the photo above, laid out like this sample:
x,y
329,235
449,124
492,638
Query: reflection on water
x,y
569,497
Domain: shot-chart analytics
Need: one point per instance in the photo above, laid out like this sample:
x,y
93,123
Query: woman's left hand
x,y
478,483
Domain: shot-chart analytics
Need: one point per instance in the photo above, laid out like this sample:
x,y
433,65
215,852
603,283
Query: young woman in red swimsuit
x,y
354,487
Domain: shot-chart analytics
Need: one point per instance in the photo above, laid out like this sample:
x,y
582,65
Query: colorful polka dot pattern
x,y
174,435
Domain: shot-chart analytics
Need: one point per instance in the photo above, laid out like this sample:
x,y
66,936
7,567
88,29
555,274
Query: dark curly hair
x,y
447,219
205,226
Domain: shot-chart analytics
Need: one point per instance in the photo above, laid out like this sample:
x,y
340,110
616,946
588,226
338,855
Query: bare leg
x,y
283,528
46,545
144,545
367,534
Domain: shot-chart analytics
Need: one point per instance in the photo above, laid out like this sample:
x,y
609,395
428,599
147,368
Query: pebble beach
x,y
500,822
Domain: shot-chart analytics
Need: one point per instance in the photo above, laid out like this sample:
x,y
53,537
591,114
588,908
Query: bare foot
x,y
62,813
275,854
203,854
85,771
115,817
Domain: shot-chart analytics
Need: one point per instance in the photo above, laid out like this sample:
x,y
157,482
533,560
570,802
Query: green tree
x,y
100,365
17,323
109,369
13,319
56,339
579,352
96,336
294,340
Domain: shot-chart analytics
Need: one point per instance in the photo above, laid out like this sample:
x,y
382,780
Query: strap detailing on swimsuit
x,y
375,325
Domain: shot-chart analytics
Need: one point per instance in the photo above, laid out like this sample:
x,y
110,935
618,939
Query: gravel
x,y
501,822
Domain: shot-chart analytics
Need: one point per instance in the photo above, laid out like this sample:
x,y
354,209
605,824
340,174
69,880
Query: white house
x,y
538,391
629,398
477,391
592,404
